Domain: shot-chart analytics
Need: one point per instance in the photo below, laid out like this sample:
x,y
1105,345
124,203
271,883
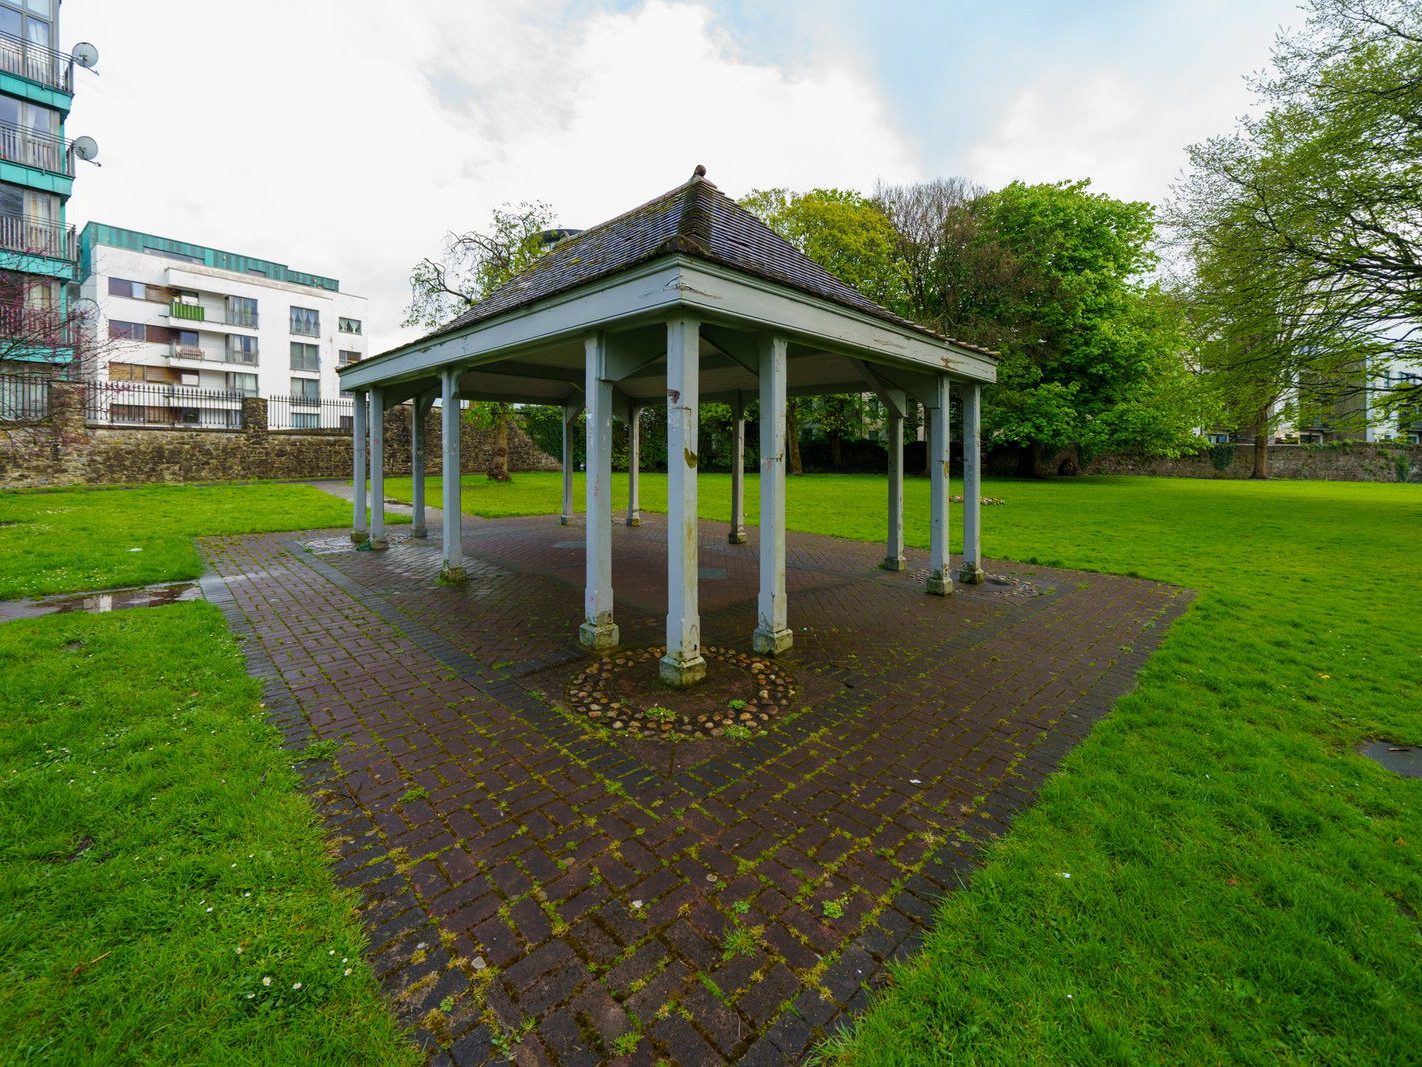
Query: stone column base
x,y
452,575
379,544
635,520
682,672
598,636
359,537
736,537
938,585
971,574
772,642
565,520
419,531
894,563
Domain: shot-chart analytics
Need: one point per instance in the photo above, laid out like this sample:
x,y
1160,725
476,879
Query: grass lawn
x,y
157,864
70,540
1243,886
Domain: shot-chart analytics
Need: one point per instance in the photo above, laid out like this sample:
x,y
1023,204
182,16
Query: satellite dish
x,y
87,149
85,54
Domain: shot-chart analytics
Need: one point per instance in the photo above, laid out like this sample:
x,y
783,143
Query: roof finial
x,y
699,172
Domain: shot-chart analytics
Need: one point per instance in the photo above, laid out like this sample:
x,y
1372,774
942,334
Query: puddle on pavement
x,y
147,596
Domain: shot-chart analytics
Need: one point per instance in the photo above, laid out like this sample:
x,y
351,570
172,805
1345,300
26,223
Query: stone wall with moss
x,y
1352,461
66,451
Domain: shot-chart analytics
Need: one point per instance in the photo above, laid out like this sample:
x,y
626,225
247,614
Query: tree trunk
x,y
837,453
1261,449
792,438
499,457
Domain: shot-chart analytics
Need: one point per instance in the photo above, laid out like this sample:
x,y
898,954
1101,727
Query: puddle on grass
x,y
1406,760
146,596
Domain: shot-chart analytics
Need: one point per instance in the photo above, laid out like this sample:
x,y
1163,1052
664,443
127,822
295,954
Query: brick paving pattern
x,y
573,897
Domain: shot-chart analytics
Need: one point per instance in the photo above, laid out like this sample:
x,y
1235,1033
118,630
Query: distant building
x,y
191,317
37,250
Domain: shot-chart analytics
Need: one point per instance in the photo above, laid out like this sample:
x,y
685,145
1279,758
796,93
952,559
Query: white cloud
x,y
344,138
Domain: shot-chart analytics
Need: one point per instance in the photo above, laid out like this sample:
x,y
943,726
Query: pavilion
x,y
686,298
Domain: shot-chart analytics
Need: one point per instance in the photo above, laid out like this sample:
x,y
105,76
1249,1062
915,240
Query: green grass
x,y
150,825
65,541
158,866
1244,886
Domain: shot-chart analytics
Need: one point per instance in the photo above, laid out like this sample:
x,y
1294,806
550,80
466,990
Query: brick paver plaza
x,y
726,899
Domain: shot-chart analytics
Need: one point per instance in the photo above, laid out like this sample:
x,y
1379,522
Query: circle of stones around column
x,y
765,696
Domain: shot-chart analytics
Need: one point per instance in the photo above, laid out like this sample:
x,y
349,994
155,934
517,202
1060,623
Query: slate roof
x,y
695,219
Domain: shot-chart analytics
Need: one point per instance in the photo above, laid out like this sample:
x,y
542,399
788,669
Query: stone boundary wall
x,y
67,451
1351,462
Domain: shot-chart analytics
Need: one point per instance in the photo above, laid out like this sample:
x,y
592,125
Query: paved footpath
x,y
570,896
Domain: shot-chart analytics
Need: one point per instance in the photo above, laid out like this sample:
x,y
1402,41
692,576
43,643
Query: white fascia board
x,y
638,294
744,300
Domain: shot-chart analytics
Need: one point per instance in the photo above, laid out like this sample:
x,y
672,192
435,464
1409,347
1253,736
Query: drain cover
x,y
1406,760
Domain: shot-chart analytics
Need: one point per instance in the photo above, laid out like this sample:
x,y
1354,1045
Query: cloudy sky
x,y
344,137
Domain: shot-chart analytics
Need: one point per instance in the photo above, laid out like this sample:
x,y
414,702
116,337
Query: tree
x,y
1320,191
473,265
41,340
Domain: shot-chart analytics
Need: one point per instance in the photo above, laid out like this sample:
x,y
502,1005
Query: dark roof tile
x,y
695,219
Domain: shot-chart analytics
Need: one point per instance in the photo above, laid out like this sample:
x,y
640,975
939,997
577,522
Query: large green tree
x,y
471,266
1308,215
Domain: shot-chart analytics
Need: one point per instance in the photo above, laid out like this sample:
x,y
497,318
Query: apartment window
x,y
346,358
124,287
188,338
305,420
305,322
306,390
125,372
159,335
127,331
305,357
242,349
246,384
166,375
349,325
242,311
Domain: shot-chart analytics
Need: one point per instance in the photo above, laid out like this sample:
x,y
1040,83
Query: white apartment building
x,y
189,330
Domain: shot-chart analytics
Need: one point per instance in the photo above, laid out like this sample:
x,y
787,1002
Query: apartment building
x,y
201,328
37,247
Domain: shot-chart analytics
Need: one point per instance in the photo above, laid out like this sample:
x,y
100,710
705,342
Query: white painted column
x,y
418,409
894,546
634,463
940,574
772,634
737,535
683,664
971,572
377,469
360,409
598,631
452,568
570,416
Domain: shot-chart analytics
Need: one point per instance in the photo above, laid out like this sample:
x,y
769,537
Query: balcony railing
x,y
36,62
30,148
36,238
187,352
21,326
239,355
193,312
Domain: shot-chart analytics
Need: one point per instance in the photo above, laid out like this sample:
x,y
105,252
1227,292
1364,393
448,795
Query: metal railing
x,y
22,326
23,399
36,62
309,413
30,148
178,309
161,404
37,238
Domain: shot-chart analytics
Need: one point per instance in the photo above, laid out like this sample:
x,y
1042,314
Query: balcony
x,y
37,63
192,312
29,148
239,355
187,352
36,238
